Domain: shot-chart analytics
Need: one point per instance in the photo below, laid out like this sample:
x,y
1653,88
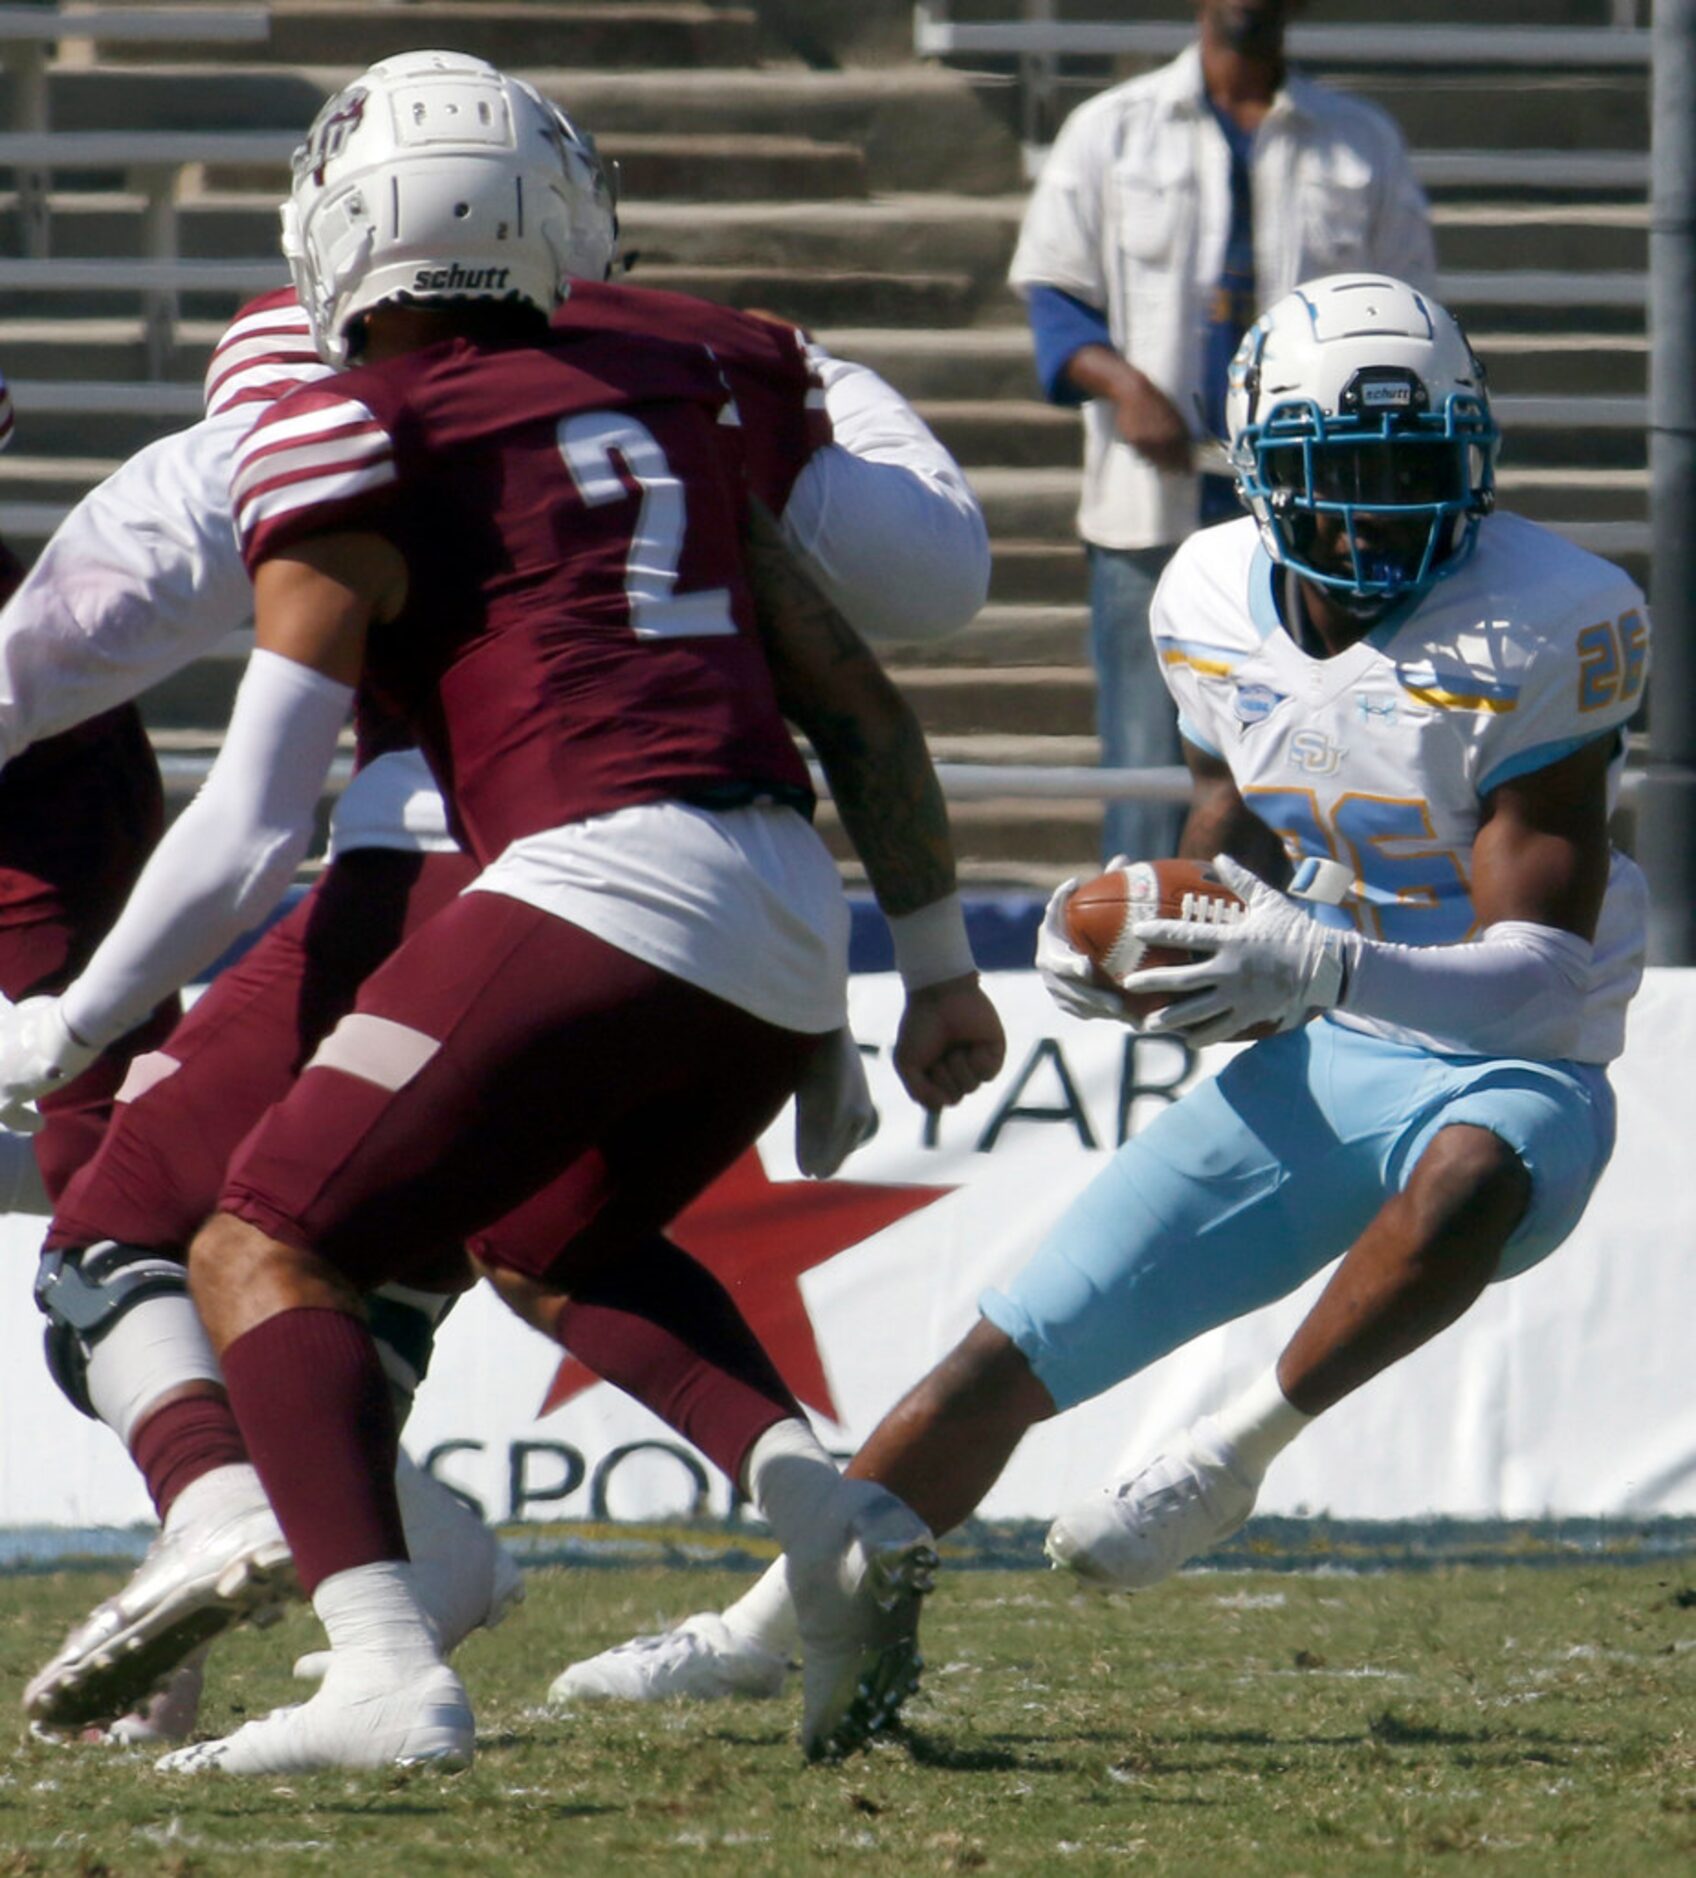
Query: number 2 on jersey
x,y
594,444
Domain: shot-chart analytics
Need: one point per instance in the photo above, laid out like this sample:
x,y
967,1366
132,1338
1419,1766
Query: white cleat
x,y
465,1578
166,1717
1139,1530
194,1583
701,1660
363,1716
858,1612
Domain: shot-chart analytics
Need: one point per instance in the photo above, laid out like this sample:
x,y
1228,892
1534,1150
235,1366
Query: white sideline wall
x,y
1565,1392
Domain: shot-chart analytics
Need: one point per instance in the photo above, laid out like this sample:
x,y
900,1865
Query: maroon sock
x,y
182,1441
664,1330
314,1408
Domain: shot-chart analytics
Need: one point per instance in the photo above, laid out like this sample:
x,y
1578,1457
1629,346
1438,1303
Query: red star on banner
x,y
757,1237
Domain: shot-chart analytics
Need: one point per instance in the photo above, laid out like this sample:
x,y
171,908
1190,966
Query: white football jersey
x,y
1381,756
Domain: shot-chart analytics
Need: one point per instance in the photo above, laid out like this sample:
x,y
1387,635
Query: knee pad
x,y
85,1293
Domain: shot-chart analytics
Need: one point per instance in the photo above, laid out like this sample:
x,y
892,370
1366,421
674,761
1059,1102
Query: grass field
x,y
1504,1717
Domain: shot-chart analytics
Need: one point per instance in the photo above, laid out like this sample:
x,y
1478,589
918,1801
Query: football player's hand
x,y
950,1042
1271,969
834,1111
1067,975
38,1054
1152,425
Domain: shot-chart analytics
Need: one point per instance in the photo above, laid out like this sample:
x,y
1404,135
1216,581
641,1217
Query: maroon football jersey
x,y
778,395
265,351
578,633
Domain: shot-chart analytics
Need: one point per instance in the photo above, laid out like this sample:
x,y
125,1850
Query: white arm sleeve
x,y
142,576
228,857
1517,991
884,516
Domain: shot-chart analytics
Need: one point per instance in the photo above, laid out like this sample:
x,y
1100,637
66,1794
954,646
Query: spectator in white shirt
x,y
1170,209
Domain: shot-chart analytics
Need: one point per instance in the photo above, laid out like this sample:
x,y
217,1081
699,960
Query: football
x,y
1103,910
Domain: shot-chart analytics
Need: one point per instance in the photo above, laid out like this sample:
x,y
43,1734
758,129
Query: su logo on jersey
x,y
1314,752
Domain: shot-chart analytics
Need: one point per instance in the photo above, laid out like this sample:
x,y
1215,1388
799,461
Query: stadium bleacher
x,y
876,203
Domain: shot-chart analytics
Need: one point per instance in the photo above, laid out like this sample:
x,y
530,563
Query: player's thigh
x,y
1231,1198
657,1158
185,1106
1557,1119
497,1046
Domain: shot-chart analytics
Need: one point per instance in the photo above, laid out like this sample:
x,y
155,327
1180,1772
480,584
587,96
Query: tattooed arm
x,y
873,753
867,738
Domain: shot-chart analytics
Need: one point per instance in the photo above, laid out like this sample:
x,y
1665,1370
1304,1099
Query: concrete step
x,y
918,127
1014,433
1041,572
1040,504
981,362
1583,237
1003,637
995,362
1538,364
53,481
1318,12
814,298
555,33
1060,699
695,167
734,167
174,95
92,349
116,433
1523,111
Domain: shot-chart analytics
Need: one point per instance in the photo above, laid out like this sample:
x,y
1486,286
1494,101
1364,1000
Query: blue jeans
x,y
1134,714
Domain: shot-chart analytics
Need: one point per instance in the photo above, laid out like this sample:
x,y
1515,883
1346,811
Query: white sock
x,y
217,1496
765,1615
372,1611
792,1481
1260,1423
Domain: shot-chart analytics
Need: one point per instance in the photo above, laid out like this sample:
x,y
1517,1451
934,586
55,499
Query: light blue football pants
x,y
1244,1188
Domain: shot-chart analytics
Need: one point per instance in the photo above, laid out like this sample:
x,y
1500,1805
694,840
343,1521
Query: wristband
x,y
931,944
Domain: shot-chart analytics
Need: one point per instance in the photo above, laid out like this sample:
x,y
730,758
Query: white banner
x,y
1566,1392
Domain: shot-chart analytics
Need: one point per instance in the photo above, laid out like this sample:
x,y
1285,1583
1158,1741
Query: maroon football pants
x,y
79,815
510,1081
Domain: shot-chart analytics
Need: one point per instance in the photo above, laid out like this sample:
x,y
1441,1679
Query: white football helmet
x,y
1356,395
435,177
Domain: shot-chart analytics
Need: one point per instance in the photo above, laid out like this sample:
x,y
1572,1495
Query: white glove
x,y
1273,966
834,1111
1066,972
38,1054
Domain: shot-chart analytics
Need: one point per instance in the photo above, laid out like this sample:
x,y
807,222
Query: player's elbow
x,y
273,854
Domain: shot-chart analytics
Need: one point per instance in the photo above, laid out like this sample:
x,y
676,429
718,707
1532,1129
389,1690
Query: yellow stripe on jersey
x,y
1210,668
1446,700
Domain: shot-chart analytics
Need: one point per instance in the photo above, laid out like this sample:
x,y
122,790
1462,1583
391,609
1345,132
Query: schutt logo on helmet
x,y
471,279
